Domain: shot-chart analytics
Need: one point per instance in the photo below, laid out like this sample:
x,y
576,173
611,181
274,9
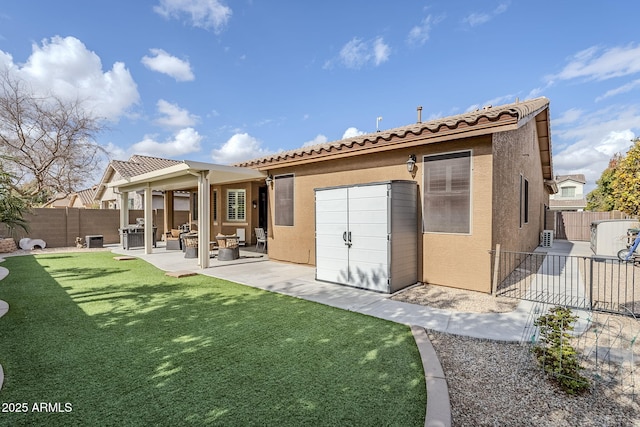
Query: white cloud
x,y
474,19
165,63
615,142
592,139
183,142
207,14
536,92
381,51
352,132
115,152
421,33
239,147
622,89
570,116
65,68
595,63
357,53
319,139
174,116
477,19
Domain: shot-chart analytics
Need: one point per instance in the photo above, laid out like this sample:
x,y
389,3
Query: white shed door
x,y
332,253
368,228
352,229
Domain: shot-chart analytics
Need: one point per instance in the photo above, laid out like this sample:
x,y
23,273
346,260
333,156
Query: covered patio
x,y
187,175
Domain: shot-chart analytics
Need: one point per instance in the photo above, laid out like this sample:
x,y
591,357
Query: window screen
x,y
447,195
284,200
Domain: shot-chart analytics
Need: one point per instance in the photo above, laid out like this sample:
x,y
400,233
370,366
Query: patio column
x,y
124,211
204,219
168,210
148,219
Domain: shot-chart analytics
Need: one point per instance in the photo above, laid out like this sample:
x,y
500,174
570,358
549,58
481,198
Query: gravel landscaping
x,y
499,384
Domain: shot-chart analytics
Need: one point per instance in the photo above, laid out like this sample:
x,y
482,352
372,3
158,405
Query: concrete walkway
x,y
299,281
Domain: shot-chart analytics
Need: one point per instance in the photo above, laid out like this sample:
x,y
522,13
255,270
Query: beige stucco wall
x,y
460,261
222,225
517,153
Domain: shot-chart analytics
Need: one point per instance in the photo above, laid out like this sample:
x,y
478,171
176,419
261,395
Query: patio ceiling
x,y
185,175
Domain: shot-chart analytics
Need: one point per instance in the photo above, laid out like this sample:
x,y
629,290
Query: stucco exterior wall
x,y
460,261
463,260
516,153
222,225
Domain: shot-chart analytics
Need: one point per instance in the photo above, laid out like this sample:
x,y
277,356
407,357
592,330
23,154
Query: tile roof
x,y
482,119
138,164
86,195
576,177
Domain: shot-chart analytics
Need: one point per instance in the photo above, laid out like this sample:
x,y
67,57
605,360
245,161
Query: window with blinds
x,y
236,205
283,195
447,193
524,200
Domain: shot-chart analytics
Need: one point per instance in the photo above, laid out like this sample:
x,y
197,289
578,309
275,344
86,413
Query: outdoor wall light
x,y
411,163
268,180
255,204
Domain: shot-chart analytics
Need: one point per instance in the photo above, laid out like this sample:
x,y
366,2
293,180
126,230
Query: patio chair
x,y
172,240
191,245
228,247
261,238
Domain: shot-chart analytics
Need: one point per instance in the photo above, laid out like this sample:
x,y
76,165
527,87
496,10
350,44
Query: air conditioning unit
x,y
546,238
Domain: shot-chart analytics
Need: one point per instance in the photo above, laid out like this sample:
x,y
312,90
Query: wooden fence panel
x,y
577,225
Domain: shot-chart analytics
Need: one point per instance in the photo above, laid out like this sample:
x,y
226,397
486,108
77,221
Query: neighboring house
x,y
570,196
482,178
105,197
80,199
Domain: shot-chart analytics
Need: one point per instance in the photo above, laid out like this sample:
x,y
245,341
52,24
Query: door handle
x,y
347,238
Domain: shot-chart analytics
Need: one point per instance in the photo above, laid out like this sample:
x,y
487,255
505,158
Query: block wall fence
x,y
60,227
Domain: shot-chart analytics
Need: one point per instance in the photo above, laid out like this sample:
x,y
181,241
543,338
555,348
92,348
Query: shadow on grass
x,y
134,347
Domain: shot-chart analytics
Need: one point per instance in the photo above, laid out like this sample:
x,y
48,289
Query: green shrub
x,y
555,353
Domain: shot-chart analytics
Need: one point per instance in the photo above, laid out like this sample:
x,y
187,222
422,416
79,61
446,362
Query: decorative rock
x,y
29,244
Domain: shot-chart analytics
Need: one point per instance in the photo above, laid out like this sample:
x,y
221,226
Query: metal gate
x,y
589,283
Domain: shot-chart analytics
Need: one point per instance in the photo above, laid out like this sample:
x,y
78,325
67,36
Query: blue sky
x,y
224,81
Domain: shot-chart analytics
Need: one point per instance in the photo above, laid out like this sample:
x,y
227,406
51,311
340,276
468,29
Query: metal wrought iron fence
x,y
589,283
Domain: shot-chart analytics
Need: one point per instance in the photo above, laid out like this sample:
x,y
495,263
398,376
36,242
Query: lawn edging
x,y
438,406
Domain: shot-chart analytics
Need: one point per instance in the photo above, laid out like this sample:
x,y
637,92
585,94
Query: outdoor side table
x,y
94,241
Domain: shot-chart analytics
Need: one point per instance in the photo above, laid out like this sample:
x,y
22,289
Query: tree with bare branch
x,y
47,143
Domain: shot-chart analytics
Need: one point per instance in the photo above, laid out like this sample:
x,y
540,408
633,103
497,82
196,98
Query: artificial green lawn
x,y
124,344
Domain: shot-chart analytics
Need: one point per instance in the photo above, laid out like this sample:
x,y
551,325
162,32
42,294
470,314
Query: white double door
x,y
352,236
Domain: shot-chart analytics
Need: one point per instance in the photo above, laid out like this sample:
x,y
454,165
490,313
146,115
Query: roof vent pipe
x,y
420,114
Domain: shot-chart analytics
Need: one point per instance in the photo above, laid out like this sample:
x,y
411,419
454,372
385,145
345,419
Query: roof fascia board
x,y
187,173
167,183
